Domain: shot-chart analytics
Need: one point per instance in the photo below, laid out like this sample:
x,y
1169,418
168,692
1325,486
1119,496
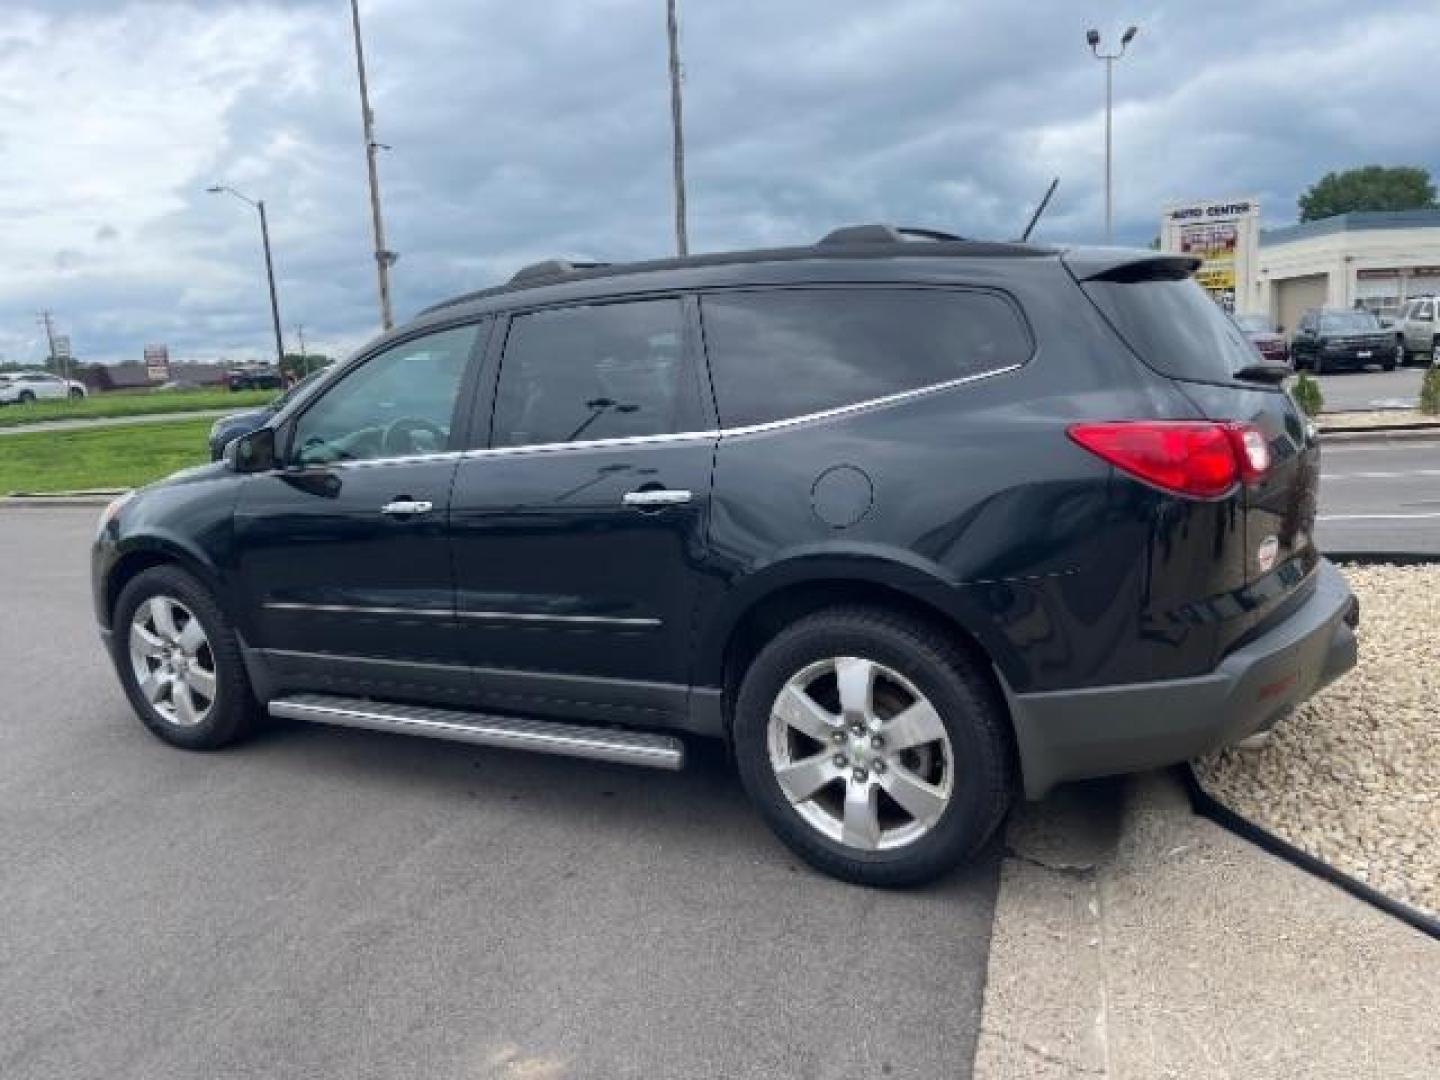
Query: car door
x,y
343,551
580,526
1419,327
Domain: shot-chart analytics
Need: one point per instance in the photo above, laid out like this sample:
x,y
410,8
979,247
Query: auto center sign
x,y
1225,235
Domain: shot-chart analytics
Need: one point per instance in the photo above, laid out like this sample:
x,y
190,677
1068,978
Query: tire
x,y
1317,365
230,712
76,393
1435,353
26,397
966,769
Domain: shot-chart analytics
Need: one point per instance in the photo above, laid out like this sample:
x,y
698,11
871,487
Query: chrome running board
x,y
541,736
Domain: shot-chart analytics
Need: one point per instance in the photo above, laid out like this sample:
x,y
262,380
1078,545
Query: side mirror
x,y
252,453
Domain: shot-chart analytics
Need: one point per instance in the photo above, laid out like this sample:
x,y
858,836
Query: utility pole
x,y
259,205
304,356
1092,37
384,258
677,129
46,320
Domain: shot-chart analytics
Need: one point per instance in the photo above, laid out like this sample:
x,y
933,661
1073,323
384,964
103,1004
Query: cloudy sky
x,y
526,130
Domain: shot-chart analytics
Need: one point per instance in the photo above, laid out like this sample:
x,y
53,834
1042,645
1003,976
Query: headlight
x,y
112,508
215,427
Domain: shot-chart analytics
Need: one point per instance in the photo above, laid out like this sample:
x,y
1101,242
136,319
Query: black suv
x,y
911,522
1329,339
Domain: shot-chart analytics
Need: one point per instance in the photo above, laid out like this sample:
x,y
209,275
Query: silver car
x,y
1418,331
26,386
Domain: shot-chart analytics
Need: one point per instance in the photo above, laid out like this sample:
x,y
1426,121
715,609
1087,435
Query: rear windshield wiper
x,y
1266,373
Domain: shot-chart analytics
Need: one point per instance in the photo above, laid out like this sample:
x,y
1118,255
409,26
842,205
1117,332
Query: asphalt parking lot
x,y
328,903
1372,389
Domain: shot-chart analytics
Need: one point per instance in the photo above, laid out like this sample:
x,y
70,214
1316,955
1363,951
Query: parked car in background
x,y
1417,330
913,523
1267,340
1335,339
23,387
266,378
228,428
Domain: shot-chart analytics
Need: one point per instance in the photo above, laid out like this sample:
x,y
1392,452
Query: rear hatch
x,y
1174,327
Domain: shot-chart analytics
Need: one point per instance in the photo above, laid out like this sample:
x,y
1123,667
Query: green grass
x,y
122,403
112,456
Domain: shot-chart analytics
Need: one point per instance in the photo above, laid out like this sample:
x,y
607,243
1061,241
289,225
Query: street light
x,y
1092,38
216,189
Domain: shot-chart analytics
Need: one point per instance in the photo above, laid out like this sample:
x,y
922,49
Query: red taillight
x,y
1201,458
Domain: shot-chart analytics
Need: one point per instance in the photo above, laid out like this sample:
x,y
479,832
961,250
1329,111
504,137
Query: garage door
x,y
1295,296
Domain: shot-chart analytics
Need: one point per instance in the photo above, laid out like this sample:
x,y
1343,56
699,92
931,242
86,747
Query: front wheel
x,y
76,393
26,397
873,747
179,661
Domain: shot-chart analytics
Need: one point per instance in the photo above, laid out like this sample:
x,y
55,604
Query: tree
x,y
1373,187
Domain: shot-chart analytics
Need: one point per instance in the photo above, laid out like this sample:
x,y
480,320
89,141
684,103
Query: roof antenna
x,y
1040,209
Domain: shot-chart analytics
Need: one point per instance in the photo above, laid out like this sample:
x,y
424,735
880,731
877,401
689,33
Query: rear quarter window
x,y
785,353
1175,328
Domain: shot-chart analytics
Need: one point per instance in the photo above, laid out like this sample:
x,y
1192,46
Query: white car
x,y
27,386
1418,329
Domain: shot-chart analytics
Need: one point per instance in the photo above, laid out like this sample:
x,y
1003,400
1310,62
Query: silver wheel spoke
x,y
151,686
803,713
915,726
185,711
922,801
855,679
802,779
201,681
143,641
862,817
163,618
192,637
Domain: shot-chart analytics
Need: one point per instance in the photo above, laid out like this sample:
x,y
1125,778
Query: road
x,y
1371,389
1380,496
330,903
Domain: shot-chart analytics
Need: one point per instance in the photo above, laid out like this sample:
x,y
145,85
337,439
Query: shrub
x,y
1308,396
1430,392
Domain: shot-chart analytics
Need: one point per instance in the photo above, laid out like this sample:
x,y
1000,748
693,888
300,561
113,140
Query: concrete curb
x,y
1413,433
24,500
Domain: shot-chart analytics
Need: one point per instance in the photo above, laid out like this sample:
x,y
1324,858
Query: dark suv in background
x,y
912,522
1332,339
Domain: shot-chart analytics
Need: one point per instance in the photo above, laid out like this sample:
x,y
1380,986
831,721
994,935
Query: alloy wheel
x,y
173,662
860,753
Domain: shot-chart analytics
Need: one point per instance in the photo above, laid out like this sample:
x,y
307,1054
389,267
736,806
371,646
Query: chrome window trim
x,y
358,609
675,437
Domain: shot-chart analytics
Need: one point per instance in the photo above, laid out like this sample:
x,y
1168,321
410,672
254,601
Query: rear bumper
x,y
1074,734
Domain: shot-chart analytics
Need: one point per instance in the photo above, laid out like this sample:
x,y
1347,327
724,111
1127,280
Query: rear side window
x,y
787,353
608,371
1175,328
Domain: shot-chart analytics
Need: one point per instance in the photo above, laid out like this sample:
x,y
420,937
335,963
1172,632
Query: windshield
x,y
1254,324
1175,328
1348,322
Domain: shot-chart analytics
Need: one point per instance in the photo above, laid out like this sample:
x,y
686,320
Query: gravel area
x,y
1353,776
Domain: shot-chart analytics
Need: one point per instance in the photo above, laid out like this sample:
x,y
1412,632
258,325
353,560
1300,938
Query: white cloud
x,y
528,130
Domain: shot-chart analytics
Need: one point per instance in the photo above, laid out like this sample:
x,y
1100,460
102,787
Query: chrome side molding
x,y
515,733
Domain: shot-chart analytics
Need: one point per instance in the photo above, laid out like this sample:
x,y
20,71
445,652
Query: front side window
x,y
1423,311
601,371
399,403
793,352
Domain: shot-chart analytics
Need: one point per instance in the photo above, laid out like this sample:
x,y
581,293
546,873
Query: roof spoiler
x,y
1119,265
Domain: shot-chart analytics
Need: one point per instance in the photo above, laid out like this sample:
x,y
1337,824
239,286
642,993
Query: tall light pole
x,y
1093,38
677,129
259,205
384,257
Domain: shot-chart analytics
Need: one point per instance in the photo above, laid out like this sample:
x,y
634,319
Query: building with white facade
x,y
1372,259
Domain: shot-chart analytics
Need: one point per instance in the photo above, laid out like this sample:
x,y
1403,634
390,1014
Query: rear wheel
x,y
872,746
26,397
76,393
179,661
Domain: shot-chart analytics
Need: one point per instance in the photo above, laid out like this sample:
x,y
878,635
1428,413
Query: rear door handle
x,y
403,507
656,497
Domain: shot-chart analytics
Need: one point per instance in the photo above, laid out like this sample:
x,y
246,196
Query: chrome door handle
x,y
656,497
407,506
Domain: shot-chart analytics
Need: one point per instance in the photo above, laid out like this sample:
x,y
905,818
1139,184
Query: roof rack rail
x,y
551,268
882,234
